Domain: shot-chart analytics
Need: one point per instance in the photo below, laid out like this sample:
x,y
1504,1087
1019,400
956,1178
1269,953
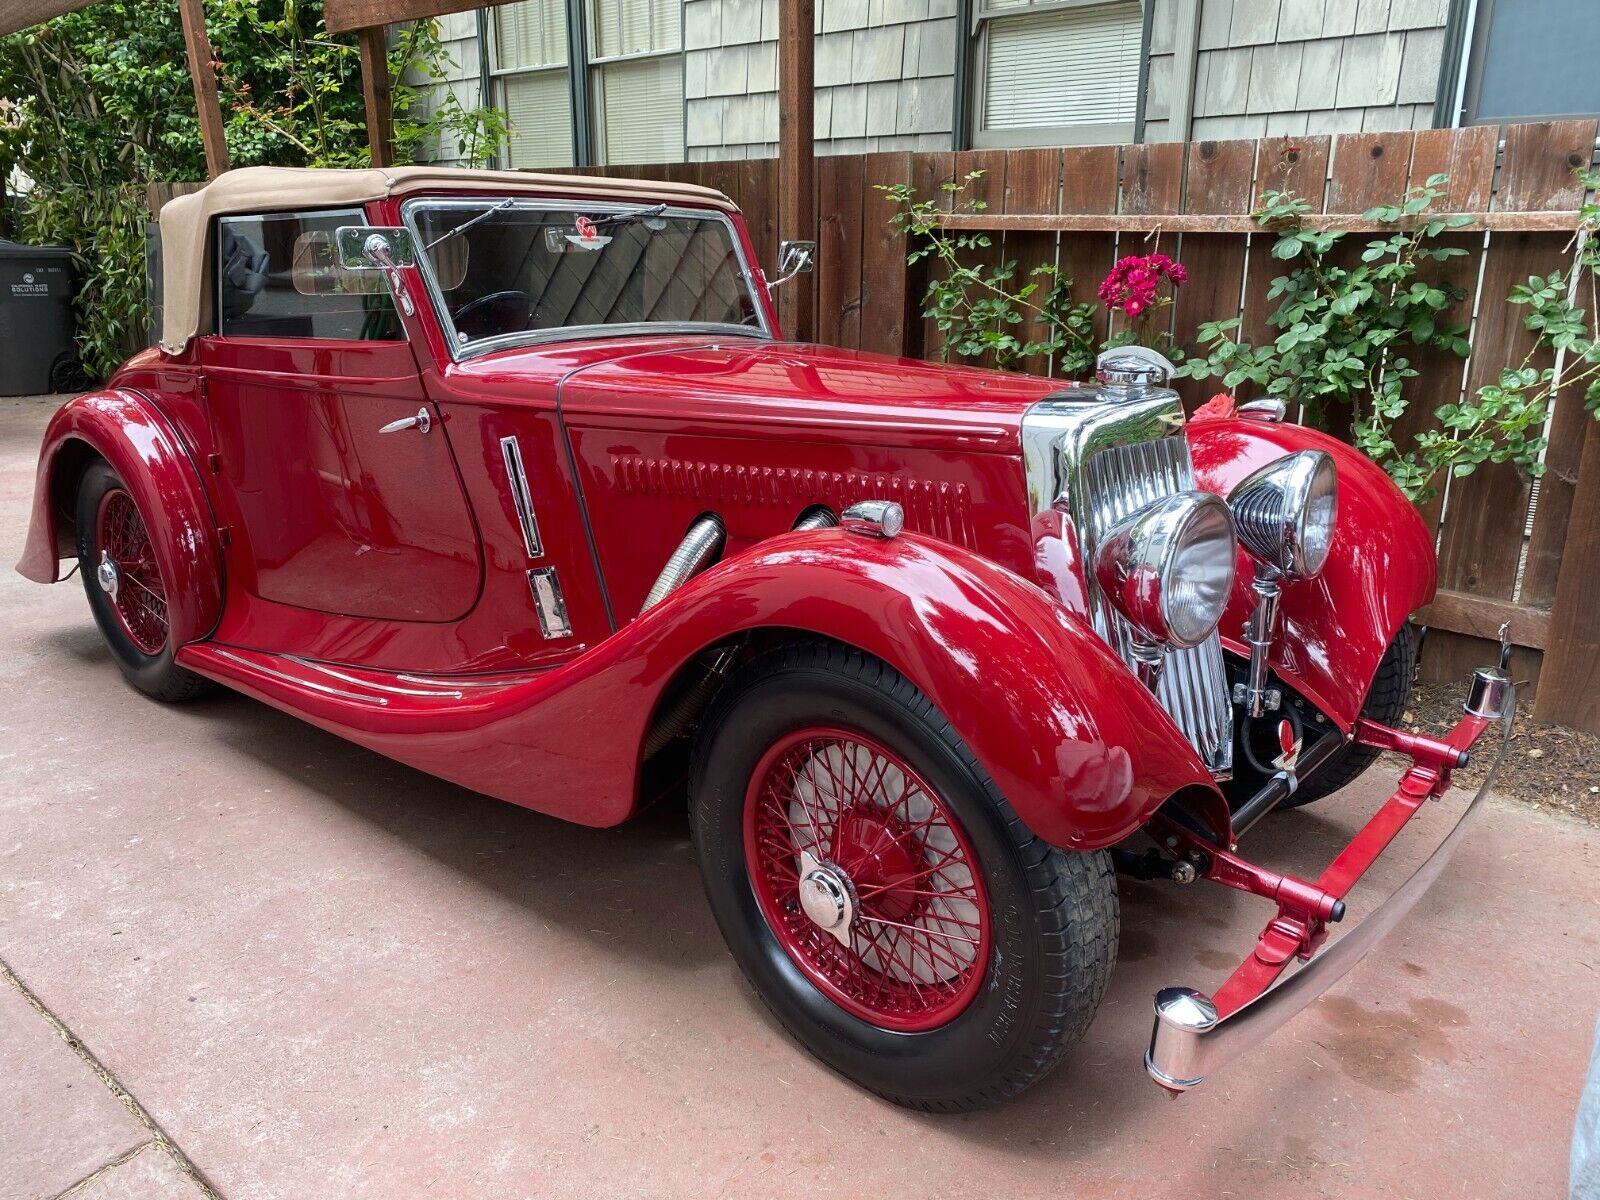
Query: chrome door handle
x,y
421,423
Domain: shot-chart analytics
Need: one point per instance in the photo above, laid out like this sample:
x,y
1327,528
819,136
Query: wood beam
x,y
1482,616
24,14
341,16
797,167
1558,221
198,46
375,88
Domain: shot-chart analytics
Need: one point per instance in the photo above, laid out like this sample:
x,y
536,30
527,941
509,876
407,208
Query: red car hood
x,y
799,391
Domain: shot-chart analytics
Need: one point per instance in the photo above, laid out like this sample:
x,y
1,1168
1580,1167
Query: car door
x,y
333,469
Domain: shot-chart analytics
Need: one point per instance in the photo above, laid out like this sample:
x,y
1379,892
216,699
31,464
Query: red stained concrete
x,y
325,975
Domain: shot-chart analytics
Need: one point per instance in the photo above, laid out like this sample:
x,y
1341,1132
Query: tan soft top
x,y
185,220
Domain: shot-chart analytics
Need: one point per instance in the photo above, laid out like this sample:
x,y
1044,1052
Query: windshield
x,y
504,269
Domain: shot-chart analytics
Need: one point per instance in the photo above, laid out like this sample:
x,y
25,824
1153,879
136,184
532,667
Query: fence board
x,y
1221,179
1033,185
840,201
1570,690
758,197
1299,165
1368,169
1089,179
883,261
929,174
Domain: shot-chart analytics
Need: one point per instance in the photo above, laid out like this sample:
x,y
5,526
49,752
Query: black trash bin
x,y
36,328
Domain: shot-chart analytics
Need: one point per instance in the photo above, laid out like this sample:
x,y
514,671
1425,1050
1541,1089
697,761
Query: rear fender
x,y
1335,628
1081,750
128,431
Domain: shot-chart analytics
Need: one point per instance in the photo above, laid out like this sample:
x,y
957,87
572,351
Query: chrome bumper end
x,y
1190,1040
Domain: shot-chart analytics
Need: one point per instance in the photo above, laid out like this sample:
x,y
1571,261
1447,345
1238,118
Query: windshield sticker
x,y
583,236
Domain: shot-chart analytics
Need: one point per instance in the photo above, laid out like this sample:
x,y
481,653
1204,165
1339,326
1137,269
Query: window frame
x,y
984,15
567,333
583,68
594,63
354,216
498,75
1471,78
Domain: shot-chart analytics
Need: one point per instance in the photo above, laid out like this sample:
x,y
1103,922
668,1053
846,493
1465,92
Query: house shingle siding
x,y
885,70
1285,67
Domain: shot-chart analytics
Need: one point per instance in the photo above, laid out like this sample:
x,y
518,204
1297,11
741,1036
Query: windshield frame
x,y
460,352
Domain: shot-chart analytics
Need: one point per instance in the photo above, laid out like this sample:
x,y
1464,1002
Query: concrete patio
x,y
244,957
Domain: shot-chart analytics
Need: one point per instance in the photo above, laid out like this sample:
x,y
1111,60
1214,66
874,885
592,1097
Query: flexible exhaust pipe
x,y
700,547
683,711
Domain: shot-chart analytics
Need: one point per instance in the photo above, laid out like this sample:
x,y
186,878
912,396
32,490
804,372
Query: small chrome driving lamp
x,y
1284,514
1168,569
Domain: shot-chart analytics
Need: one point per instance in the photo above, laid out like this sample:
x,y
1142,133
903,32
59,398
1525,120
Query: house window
x,y
636,60
530,56
1532,60
627,93
1050,72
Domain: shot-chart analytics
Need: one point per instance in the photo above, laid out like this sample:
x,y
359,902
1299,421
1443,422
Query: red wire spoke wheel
x,y
880,894
867,879
128,573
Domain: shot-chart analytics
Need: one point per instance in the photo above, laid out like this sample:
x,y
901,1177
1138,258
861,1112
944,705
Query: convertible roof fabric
x,y
185,220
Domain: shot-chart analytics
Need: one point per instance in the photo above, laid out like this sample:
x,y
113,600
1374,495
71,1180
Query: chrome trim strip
x,y
298,682
323,668
1189,1041
545,585
521,497
463,681
460,353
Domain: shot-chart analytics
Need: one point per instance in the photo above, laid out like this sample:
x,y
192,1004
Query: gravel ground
x,y
1547,766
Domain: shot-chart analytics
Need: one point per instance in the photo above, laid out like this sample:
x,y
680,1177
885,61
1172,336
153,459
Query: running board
x,y
298,684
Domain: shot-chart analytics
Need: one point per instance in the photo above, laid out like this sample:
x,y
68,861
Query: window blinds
x,y
1072,66
540,113
530,34
641,110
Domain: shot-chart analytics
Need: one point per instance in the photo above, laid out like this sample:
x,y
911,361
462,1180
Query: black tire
x,y
156,675
1051,954
1386,703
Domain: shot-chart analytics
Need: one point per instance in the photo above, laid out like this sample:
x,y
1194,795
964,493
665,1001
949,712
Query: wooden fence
x,y
1508,552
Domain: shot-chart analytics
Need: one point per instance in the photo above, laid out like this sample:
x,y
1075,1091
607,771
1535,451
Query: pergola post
x,y
198,45
797,174
375,90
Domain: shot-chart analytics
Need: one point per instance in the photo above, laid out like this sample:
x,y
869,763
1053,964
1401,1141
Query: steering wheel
x,y
472,306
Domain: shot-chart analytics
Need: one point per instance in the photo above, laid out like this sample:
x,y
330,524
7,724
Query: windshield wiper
x,y
466,225
650,216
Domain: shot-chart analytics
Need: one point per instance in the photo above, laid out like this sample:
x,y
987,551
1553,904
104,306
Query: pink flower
x,y
1218,408
1133,283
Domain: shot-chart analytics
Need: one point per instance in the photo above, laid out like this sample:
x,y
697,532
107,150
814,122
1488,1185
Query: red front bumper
x,y
1195,1034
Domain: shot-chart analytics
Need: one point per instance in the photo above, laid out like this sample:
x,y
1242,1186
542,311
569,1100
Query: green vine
x,y
979,306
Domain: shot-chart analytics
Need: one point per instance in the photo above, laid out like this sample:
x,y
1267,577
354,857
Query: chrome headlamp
x,y
1284,513
1169,568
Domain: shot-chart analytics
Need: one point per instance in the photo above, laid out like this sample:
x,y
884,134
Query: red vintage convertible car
x,y
512,478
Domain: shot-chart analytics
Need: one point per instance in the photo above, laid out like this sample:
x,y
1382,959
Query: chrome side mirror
x,y
375,247
794,258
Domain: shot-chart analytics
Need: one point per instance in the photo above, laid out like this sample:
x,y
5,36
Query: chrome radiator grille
x,y
1118,481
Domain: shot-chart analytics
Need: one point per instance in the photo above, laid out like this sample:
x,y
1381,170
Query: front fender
x,y
1079,748
1335,628
130,433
